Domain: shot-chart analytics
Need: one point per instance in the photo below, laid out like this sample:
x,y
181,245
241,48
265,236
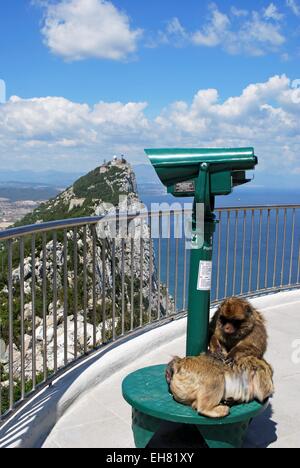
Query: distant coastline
x,y
241,197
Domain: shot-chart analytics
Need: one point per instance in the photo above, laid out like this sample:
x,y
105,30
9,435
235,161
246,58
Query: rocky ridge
x,y
96,194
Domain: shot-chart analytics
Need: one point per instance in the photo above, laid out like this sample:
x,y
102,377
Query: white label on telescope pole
x,y
205,276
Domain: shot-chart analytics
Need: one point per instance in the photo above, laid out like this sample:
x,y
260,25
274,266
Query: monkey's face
x,y
172,367
235,318
230,326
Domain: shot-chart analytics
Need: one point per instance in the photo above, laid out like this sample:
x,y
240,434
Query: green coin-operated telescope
x,y
202,174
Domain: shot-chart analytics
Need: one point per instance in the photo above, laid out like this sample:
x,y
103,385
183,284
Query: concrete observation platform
x,y
85,408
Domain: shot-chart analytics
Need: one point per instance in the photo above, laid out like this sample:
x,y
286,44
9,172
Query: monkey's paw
x,y
229,362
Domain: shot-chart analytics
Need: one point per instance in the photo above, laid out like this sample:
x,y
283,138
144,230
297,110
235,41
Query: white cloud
x,y
174,35
80,29
239,12
294,6
53,132
258,36
272,12
56,132
174,27
214,31
242,32
265,115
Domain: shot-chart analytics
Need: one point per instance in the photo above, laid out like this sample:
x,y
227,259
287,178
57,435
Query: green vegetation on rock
x,y
88,196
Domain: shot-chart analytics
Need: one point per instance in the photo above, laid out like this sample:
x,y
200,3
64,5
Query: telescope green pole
x,y
200,269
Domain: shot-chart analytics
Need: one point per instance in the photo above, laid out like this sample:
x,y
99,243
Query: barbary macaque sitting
x,y
237,331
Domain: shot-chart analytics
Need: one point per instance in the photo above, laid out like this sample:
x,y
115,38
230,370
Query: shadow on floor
x,y
174,436
262,432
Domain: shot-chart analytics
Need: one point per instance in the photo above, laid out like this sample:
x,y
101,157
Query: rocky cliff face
x,y
124,266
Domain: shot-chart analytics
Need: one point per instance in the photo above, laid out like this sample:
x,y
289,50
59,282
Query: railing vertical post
x,y
283,248
243,252
267,250
227,253
55,360
45,337
298,269
150,270
235,252
276,248
123,284
103,257
33,299
22,318
251,251
159,265
176,230
65,298
184,274
168,263
219,256
258,287
75,266
292,246
113,254
132,250
85,292
94,283
141,275
11,324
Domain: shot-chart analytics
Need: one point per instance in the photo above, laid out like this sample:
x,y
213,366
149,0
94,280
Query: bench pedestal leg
x,y
228,436
144,428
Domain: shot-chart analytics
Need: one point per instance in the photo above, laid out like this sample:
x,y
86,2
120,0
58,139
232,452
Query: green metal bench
x,y
147,392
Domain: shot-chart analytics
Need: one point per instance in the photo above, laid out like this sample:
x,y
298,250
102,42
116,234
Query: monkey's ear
x,y
169,374
175,364
215,346
213,323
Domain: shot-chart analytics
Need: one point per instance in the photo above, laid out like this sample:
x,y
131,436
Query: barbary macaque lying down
x,y
208,383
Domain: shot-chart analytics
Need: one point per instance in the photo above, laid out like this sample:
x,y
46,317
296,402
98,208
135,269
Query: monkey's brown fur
x,y
238,331
205,382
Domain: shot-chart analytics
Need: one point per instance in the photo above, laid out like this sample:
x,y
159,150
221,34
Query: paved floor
x,y
101,418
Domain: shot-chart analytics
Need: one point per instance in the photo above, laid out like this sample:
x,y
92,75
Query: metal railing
x,y
66,290
258,250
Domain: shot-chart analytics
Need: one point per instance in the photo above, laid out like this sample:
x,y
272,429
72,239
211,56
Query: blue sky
x,y
164,73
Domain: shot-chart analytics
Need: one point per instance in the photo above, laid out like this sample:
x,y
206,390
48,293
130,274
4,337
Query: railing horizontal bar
x,y
47,227
79,222
257,207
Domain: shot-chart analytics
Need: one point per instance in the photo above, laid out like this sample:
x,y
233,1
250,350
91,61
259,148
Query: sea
x,y
259,251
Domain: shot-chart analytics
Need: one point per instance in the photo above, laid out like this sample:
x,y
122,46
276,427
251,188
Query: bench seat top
x,y
147,391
